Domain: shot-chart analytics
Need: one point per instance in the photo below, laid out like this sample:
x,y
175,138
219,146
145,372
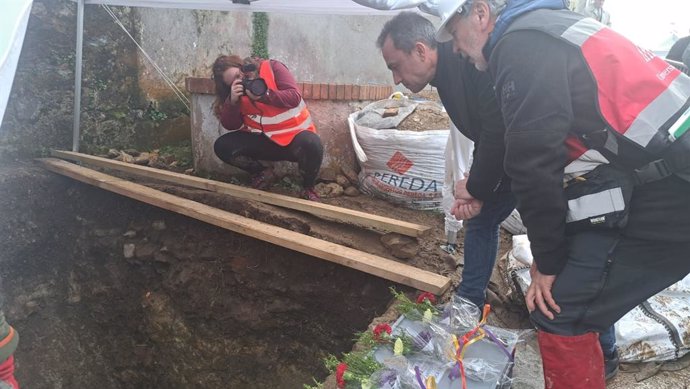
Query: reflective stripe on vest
x,y
640,95
281,125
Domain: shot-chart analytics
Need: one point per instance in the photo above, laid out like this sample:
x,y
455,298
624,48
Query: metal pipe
x,y
77,75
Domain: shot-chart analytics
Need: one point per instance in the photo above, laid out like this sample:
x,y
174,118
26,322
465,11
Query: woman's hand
x,y
236,91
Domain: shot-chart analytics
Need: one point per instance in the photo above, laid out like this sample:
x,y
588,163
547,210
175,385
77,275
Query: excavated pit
x,y
107,292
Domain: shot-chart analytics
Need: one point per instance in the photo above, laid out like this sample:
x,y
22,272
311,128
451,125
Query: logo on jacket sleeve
x,y
508,91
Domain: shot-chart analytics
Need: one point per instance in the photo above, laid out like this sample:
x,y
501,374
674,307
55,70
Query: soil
x,y
107,292
426,117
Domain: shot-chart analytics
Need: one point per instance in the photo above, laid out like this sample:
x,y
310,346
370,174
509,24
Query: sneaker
x,y
310,194
263,180
611,365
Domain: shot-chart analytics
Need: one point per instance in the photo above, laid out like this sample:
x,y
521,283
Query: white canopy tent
x,y
327,7
13,21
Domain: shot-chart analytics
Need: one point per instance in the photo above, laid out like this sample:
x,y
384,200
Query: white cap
x,y
446,10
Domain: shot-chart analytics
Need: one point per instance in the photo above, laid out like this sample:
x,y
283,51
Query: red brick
x,y
355,92
332,91
348,92
306,90
200,85
324,91
340,92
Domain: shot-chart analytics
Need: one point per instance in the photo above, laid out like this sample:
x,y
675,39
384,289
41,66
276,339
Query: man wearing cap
x,y
596,147
411,53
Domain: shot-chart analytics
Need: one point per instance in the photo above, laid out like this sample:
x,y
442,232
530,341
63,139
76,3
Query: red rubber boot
x,y
572,362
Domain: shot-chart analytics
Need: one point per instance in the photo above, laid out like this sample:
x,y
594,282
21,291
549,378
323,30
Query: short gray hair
x,y
406,29
495,6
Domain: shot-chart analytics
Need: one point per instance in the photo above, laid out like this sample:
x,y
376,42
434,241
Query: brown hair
x,y
220,65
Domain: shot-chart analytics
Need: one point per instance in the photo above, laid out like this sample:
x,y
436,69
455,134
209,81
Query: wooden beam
x,y
368,263
315,208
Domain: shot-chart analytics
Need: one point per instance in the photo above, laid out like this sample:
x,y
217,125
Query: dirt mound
x,y
426,117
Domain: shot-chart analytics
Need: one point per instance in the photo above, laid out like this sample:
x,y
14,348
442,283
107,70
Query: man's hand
x,y
461,192
236,91
466,209
539,293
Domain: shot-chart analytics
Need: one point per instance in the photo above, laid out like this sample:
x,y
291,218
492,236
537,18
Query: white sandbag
x,y
403,167
458,158
513,224
656,330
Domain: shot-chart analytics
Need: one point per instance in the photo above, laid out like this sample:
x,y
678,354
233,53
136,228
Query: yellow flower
x,y
427,316
398,347
366,384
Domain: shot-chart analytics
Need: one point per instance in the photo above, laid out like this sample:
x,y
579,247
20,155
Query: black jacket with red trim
x,y
546,92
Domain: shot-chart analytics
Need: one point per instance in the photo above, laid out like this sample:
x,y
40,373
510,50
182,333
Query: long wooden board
x,y
368,263
315,208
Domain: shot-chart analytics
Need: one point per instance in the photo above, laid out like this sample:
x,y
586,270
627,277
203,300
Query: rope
x,y
180,95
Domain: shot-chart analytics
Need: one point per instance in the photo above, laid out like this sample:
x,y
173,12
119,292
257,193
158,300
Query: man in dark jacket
x,y
411,53
560,79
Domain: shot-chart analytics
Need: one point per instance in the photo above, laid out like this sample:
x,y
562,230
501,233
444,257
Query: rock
x,y
142,159
124,157
189,172
401,246
130,234
350,173
327,174
336,190
145,250
113,153
158,225
323,190
174,163
128,250
342,181
132,152
527,372
351,191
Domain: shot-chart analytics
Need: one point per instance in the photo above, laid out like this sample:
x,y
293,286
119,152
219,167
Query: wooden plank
x,y
359,260
315,208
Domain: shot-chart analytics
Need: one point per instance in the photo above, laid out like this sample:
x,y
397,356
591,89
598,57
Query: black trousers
x,y
244,150
606,276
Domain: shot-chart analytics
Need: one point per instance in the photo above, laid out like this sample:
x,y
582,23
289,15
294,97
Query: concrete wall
x,y
323,48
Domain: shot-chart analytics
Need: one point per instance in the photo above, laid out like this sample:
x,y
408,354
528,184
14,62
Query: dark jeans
x,y
481,247
244,150
606,276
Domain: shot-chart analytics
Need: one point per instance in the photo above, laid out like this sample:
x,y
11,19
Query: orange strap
x,y
8,338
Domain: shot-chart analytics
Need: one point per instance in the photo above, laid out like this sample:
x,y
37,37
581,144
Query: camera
x,y
257,86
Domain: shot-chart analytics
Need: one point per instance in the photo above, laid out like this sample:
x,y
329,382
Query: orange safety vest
x,y
641,98
281,125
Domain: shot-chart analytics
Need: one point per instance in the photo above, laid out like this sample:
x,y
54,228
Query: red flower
x,y
339,373
380,328
426,296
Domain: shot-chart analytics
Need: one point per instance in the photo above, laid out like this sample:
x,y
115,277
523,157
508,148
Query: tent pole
x,y
77,74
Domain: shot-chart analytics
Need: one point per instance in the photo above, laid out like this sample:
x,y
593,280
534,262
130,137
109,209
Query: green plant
x,y
154,114
260,34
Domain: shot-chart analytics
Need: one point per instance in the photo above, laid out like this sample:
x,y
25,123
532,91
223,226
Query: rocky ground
x,y
108,292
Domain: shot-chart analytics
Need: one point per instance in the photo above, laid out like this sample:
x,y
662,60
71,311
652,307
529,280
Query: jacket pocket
x,y
599,200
